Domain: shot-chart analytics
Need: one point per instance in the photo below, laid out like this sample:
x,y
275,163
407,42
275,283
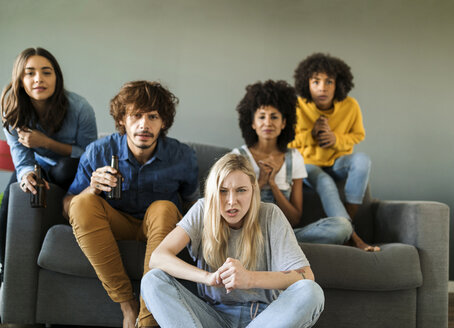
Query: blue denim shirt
x,y
171,173
78,130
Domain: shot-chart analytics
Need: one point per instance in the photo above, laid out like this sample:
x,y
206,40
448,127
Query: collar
x,y
123,152
325,112
160,151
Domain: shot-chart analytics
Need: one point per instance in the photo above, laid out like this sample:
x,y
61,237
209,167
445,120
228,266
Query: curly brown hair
x,y
142,97
278,94
323,63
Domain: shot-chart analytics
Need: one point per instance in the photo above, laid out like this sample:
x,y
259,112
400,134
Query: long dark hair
x,y
17,108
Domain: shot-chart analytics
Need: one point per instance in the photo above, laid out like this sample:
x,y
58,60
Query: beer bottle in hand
x,y
38,199
115,192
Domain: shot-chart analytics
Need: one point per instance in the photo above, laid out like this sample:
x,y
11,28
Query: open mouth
x,y
233,211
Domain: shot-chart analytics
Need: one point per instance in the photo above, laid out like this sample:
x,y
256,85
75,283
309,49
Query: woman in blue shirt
x,y
44,124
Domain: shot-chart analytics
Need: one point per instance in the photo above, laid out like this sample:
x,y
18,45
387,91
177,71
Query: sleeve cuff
x,y
22,171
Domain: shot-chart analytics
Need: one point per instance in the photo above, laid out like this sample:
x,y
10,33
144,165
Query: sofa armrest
x,y
424,225
26,228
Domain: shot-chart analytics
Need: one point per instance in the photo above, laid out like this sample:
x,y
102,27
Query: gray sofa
x,y
49,280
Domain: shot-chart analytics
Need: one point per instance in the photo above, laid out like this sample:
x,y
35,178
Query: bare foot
x,y
356,241
130,311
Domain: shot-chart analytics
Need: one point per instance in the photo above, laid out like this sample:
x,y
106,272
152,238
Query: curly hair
x,y
17,108
142,97
278,94
323,63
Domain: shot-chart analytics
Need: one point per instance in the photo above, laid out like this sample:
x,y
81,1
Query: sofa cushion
x,y
395,267
61,253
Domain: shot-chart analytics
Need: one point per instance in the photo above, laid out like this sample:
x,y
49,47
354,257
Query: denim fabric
x,y
78,130
171,172
172,305
355,168
266,195
332,230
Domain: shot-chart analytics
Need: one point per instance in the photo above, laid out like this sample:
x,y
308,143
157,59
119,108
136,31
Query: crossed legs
x,y
173,305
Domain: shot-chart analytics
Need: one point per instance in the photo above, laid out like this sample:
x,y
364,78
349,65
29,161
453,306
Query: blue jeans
x,y
355,168
332,230
172,305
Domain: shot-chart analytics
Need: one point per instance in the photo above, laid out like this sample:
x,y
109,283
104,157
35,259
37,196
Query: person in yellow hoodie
x,y
329,124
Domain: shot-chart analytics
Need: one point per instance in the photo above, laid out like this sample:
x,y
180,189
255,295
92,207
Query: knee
x,y
151,280
361,161
81,207
343,231
148,282
325,183
162,211
310,295
314,171
162,205
157,274
151,277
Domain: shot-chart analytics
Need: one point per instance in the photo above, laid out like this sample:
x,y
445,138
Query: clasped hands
x,y
269,167
231,275
322,133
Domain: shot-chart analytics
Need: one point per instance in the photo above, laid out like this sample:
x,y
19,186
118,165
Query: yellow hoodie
x,y
345,120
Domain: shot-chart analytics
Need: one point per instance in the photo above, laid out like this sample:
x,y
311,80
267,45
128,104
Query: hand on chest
x,y
269,162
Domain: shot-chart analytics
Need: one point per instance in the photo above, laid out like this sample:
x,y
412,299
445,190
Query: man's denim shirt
x,y
170,173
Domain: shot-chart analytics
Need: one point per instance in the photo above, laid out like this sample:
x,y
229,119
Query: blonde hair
x,y
216,230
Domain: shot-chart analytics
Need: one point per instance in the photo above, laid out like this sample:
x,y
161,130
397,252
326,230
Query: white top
x,y
298,168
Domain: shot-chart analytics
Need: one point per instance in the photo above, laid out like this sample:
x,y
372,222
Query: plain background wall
x,y
206,51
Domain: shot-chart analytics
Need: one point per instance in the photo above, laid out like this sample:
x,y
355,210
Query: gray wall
x,y
401,53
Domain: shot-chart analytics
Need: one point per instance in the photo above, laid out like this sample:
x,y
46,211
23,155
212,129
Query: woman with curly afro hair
x,y
329,124
267,121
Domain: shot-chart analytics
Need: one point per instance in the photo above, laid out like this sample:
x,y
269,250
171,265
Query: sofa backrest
x,y
207,155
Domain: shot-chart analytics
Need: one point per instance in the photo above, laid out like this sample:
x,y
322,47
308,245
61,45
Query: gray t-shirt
x,y
281,252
